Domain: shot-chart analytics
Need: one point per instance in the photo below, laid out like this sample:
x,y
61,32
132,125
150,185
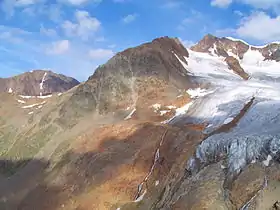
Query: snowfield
x,y
256,135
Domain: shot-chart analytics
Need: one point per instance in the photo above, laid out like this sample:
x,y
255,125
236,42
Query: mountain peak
x,y
37,82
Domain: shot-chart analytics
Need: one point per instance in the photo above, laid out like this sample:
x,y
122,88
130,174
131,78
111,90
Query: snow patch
x,y
157,183
156,107
230,53
252,57
223,167
27,97
228,120
141,197
21,101
10,90
184,109
30,113
198,92
213,50
267,161
43,97
163,112
33,105
171,107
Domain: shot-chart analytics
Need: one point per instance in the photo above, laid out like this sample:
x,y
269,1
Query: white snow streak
x,y
42,83
33,105
43,97
21,101
141,197
130,114
171,107
27,97
163,112
228,120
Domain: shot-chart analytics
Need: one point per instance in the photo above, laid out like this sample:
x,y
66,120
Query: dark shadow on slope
x,y
115,158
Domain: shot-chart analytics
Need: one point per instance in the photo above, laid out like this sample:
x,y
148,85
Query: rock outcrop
x,y
234,65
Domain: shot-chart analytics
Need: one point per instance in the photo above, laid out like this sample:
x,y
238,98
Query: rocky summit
x,y
158,126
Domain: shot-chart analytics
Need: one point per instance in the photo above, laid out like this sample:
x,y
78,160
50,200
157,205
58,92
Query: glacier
x,y
255,137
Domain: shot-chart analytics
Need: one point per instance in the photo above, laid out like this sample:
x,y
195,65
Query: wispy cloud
x,y
129,18
101,53
171,4
58,47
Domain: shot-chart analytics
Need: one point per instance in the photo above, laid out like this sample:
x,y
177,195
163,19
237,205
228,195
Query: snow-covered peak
x,y
255,46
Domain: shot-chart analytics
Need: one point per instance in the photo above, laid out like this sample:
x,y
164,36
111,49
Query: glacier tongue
x,y
253,137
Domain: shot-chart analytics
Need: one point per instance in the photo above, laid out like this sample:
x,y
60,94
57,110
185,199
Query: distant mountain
x,y
228,46
234,51
36,83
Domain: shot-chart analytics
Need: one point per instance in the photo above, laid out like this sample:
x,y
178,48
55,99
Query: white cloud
x,y
187,43
194,17
112,46
100,53
26,2
53,11
84,27
13,35
129,18
260,26
260,4
9,6
238,13
47,31
171,4
221,3
120,1
59,47
80,2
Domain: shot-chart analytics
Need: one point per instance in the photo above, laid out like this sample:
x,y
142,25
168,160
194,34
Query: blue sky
x,y
74,36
